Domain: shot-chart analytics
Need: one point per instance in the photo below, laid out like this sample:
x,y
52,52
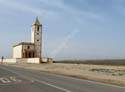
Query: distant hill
x,y
96,62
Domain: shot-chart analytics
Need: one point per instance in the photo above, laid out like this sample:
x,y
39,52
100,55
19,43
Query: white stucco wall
x,y
47,60
44,60
33,60
23,60
17,51
8,61
28,60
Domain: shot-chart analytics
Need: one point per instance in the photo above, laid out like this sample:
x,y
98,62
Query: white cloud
x,y
18,7
51,10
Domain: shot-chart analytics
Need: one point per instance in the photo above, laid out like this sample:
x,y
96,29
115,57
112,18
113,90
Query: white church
x,y
30,49
30,52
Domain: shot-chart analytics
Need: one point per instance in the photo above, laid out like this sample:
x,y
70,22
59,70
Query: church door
x,y
29,54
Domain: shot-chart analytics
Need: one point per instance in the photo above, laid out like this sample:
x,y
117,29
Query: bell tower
x,y
36,37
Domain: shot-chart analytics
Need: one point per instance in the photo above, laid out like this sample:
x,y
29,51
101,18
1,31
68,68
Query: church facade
x,y
30,52
30,49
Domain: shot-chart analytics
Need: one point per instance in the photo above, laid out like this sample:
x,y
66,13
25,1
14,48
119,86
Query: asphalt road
x,y
21,80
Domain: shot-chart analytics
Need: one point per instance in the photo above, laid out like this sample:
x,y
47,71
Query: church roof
x,y
24,43
36,22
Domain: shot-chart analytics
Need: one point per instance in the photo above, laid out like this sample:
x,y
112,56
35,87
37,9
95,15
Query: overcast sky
x,y
72,29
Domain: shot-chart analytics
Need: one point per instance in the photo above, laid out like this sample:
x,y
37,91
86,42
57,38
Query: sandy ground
x,y
102,73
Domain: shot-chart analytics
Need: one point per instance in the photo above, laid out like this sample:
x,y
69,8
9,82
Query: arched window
x,y
28,47
38,28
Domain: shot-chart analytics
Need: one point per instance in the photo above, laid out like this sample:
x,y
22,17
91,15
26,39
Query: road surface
x,y
14,79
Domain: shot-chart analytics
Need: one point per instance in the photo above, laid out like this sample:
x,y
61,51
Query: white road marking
x,y
8,80
14,79
52,85
5,80
16,83
57,87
